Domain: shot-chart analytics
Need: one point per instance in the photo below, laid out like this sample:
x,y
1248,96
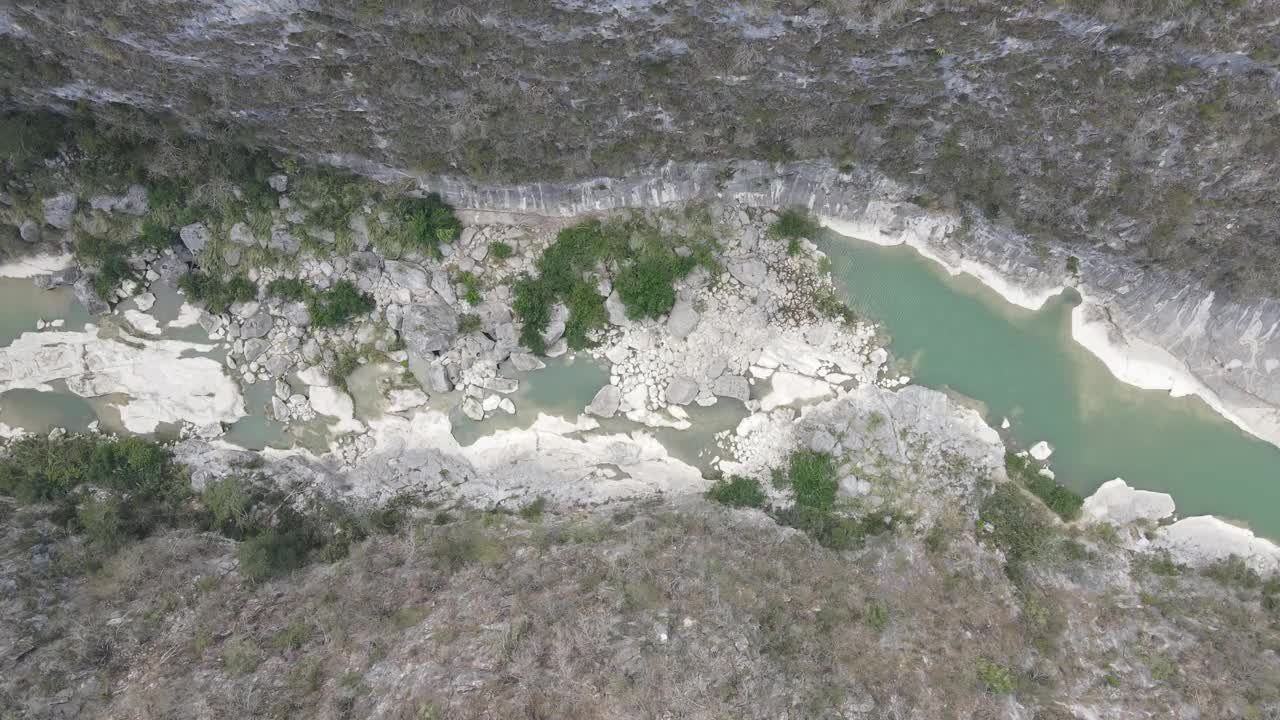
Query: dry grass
x,y
653,611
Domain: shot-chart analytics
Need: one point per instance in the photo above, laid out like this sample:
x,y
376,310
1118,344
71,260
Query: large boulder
x,y
732,386
682,320
59,209
606,401
257,325
195,236
428,327
409,276
681,390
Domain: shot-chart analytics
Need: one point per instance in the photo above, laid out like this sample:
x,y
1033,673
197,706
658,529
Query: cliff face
x,y
1152,136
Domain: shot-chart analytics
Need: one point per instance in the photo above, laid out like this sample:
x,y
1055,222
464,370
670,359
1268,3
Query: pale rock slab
x,y
1116,502
606,401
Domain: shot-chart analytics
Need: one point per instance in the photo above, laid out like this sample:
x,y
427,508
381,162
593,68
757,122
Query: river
x,y
958,335
949,333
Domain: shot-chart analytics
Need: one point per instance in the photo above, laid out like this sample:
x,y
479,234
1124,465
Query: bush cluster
x,y
428,222
1056,496
793,224
647,269
218,294
327,308
1019,527
338,305
738,492
115,490
39,470
811,478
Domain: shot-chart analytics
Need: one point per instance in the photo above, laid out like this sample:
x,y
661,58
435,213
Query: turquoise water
x,y
958,335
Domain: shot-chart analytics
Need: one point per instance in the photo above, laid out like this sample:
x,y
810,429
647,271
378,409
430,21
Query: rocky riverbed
x,y
751,334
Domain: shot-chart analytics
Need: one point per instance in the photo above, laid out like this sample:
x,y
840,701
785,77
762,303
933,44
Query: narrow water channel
x,y
959,335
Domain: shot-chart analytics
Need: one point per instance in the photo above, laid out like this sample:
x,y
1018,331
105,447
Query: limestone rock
x,y
682,390
750,272
283,241
555,328
472,409
683,319
30,231
231,255
438,379
1116,502
133,202
59,209
256,326
241,235
145,301
359,232
428,327
402,399
407,275
732,386
606,401
1041,451
296,314
616,308
279,183
195,236
525,362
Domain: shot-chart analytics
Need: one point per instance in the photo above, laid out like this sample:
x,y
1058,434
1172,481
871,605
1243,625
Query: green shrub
x,y
1233,572
837,532
1060,500
532,304
645,285
217,294
794,223
229,503
584,248
878,617
812,475
996,678
470,287
101,521
346,364
738,492
429,222
586,313
1019,527
338,305
533,511
500,250
288,288
272,553
468,324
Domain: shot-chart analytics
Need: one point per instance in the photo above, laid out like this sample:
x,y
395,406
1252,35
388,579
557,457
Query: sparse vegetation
x,y
468,324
